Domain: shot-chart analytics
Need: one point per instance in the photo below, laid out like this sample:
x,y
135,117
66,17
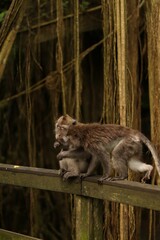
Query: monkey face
x,y
61,133
61,128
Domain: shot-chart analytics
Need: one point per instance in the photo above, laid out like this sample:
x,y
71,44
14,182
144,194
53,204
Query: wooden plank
x,y
128,192
40,178
8,235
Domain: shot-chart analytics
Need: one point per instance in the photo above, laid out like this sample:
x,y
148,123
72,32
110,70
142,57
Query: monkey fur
x,y
78,162
114,146
73,167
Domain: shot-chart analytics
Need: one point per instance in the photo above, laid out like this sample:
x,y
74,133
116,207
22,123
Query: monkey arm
x,y
91,168
74,153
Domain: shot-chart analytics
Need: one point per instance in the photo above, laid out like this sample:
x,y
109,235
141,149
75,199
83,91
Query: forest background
x,y
96,60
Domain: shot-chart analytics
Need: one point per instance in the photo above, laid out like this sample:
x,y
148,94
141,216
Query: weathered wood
x,y
97,219
8,235
83,218
89,218
39,178
128,192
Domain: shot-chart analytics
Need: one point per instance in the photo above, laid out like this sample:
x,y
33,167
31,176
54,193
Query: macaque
x,y
78,161
114,146
60,131
74,167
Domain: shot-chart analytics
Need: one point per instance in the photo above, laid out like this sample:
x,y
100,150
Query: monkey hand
x,y
56,144
62,154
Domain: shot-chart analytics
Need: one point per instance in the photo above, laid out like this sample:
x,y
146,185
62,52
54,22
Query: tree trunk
x,y
9,31
153,35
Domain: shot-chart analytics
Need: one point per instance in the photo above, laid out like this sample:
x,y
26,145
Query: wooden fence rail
x,y
132,193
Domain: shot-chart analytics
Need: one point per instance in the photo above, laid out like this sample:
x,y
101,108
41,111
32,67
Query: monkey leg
x,y
67,165
147,175
104,158
92,166
139,166
63,167
125,150
62,172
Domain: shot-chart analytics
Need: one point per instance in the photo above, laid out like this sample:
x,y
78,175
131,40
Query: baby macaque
x,y
78,161
74,167
114,146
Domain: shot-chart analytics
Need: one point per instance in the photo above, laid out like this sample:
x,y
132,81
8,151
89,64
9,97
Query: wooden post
x,y
89,218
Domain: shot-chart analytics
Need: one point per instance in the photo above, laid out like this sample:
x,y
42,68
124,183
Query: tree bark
x,y
9,31
153,35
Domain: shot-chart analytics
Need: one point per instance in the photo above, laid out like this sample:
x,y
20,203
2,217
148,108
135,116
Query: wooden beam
x,y
128,192
40,178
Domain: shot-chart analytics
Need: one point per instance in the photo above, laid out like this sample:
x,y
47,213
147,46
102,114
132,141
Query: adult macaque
x,y
60,131
113,145
78,161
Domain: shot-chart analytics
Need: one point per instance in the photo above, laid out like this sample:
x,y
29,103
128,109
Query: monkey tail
x,y
153,151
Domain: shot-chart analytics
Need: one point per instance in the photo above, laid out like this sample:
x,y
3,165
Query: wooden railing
x,y
88,192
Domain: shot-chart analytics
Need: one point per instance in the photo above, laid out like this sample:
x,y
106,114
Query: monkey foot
x,y
104,178
117,178
62,172
83,175
109,179
146,176
68,175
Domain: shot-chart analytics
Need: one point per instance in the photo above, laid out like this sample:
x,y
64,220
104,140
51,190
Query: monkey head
x,y
61,133
66,120
61,128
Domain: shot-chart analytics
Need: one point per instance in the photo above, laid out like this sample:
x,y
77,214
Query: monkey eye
x,y
60,128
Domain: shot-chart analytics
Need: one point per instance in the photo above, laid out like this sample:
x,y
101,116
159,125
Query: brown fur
x,y
60,131
78,160
110,141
